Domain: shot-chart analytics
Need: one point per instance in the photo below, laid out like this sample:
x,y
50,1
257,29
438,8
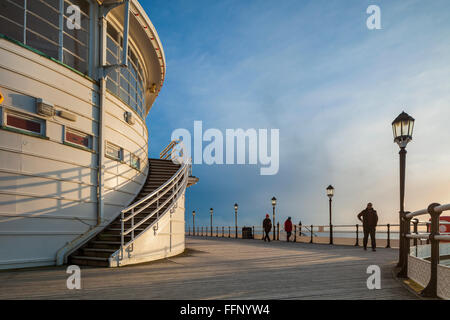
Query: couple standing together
x,y
267,226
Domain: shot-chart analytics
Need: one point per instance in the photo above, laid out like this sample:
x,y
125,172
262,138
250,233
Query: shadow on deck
x,y
221,268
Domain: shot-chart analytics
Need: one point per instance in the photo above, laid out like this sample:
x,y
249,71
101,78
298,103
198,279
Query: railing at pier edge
x,y
433,236
307,233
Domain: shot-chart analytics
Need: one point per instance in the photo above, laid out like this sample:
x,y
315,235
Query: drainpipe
x,y
64,252
101,144
103,72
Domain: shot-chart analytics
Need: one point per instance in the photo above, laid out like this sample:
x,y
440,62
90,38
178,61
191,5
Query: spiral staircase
x,y
140,229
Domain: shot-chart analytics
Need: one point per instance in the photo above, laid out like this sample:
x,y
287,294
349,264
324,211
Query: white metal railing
x,y
176,186
170,150
433,236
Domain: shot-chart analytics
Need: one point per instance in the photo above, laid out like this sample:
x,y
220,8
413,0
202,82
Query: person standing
x,y
288,228
267,226
369,218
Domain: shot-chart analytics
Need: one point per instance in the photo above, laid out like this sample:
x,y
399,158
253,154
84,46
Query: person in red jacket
x,y
288,228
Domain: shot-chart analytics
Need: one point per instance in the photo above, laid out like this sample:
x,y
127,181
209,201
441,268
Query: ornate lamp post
x,y
211,211
235,218
402,128
274,203
330,192
193,220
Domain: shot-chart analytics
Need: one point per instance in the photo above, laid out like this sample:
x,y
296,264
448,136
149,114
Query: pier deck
x,y
223,269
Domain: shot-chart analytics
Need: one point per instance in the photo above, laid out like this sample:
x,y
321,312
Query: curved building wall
x,y
49,163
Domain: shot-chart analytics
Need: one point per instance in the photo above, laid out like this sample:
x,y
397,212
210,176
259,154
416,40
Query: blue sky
x,y
315,71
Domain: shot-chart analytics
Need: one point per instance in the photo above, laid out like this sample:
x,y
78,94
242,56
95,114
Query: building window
x,y
114,152
24,123
78,138
127,84
135,162
37,24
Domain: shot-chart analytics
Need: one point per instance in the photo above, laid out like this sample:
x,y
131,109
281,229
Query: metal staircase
x,y
166,182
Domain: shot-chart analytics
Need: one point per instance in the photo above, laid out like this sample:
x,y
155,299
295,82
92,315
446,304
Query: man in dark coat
x,y
369,218
267,226
288,228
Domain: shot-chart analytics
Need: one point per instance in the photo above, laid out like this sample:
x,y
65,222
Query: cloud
x,y
332,87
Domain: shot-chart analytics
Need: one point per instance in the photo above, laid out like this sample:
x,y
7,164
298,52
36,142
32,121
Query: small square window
x,y
114,152
24,123
78,138
135,162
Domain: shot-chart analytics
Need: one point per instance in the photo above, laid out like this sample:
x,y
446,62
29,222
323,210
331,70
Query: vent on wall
x,y
44,108
129,118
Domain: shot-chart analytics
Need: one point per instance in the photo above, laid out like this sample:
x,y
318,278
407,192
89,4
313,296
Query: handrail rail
x,y
176,184
134,205
152,213
169,149
433,236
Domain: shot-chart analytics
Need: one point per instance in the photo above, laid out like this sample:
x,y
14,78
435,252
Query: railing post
x,y
202,231
223,232
431,289
299,230
278,231
253,232
401,242
295,233
388,245
229,232
406,245
121,233
311,241
357,236
132,224
415,230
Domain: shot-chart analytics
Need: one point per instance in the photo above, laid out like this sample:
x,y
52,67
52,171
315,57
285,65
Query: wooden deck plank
x,y
223,269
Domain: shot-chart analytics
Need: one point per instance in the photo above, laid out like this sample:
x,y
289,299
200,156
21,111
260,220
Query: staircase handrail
x,y
177,183
152,194
168,151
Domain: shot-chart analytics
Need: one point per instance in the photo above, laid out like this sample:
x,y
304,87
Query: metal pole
x,y
415,230
253,232
331,226
211,225
357,236
193,224
235,222
273,207
388,236
217,232
311,234
278,231
431,289
402,154
229,232
406,246
295,233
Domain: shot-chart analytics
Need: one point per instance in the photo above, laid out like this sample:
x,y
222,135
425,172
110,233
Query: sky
x,y
313,70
